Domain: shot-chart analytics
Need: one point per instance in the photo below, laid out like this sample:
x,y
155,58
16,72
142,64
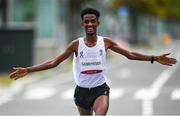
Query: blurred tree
x,y
160,8
24,10
167,9
30,9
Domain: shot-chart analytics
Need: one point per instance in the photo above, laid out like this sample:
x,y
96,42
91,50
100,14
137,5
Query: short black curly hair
x,y
90,11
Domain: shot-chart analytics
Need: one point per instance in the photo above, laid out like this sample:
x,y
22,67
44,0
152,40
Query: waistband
x,y
93,88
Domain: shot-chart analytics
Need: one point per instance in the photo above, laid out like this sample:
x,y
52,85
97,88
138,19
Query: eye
x,y
93,21
86,21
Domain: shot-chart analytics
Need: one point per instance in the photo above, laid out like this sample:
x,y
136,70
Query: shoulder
x,y
73,45
107,39
75,42
108,42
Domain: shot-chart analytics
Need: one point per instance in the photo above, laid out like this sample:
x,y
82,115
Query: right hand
x,y
18,72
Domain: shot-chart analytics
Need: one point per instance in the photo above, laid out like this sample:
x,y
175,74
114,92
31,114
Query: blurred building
x,y
44,17
48,18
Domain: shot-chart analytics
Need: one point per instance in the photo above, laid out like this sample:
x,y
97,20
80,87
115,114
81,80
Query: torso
x,y
90,44
89,62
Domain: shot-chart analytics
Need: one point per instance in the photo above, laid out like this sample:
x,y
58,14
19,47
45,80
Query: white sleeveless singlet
x,y
89,64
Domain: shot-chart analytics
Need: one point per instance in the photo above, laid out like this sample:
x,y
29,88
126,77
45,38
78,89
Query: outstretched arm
x,y
20,71
162,59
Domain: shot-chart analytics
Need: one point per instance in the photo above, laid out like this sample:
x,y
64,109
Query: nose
x,y
89,24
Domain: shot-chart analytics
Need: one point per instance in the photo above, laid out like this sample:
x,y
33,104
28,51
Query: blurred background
x,y
34,31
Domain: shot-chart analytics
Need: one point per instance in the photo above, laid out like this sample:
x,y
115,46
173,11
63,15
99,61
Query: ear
x,y
98,23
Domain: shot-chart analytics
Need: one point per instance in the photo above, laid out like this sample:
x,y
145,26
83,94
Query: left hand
x,y
163,59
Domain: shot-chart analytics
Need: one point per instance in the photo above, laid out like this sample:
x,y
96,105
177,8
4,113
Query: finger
x,y
166,54
168,64
16,78
12,75
172,61
16,68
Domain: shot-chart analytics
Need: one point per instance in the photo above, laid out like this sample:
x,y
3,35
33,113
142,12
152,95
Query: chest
x,y
91,52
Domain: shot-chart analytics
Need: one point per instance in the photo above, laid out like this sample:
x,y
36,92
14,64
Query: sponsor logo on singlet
x,y
91,63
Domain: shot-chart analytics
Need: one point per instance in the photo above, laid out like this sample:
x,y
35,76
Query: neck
x,y
90,41
91,38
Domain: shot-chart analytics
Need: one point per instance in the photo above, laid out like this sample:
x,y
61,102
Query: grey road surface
x,y
137,88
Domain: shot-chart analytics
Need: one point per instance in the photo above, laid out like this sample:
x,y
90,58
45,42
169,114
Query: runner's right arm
x,y
21,71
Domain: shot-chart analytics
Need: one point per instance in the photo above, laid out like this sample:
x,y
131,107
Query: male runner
x,y
89,62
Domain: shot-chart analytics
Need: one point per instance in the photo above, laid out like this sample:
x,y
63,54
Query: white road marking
x,y
124,73
5,98
7,94
175,94
39,93
115,93
15,88
163,78
67,94
145,94
147,107
148,94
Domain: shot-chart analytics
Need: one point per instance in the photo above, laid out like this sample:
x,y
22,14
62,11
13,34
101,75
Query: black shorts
x,y
85,97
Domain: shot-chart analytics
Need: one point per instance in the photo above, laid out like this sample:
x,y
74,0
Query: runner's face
x,y
90,24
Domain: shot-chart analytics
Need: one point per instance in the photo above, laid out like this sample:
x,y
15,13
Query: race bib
x,y
87,64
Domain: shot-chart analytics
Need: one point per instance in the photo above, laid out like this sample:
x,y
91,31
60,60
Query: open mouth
x,y
90,30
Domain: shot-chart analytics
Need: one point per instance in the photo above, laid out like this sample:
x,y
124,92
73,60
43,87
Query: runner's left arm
x,y
162,59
